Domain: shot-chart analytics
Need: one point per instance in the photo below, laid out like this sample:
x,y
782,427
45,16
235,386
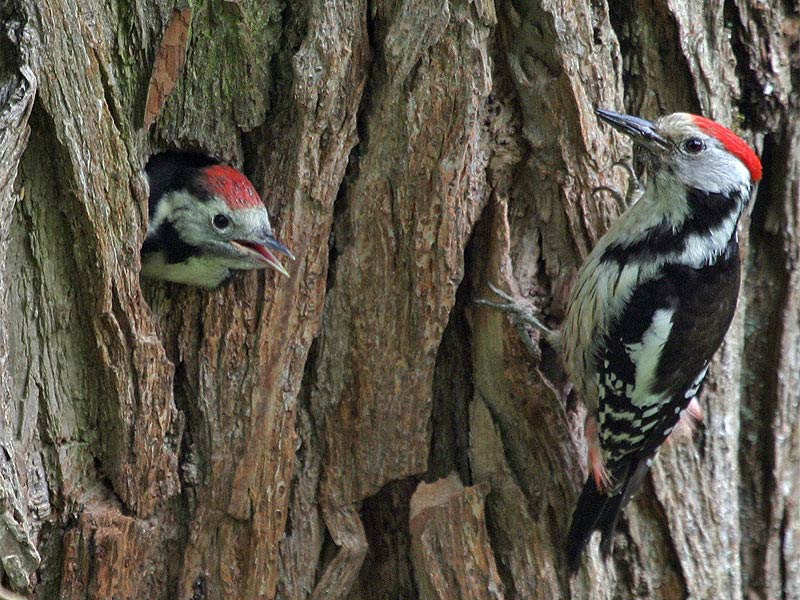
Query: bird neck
x,y
675,223
703,220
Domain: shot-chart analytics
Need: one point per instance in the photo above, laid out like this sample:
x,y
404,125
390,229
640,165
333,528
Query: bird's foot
x,y
635,187
689,422
521,314
692,415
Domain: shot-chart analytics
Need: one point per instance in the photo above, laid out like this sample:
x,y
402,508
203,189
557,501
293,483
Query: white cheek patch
x,y
168,205
190,217
715,171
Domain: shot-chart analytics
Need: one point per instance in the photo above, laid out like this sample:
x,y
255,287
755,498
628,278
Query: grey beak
x,y
271,242
639,130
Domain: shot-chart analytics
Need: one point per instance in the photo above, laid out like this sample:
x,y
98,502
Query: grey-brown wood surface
x,y
290,438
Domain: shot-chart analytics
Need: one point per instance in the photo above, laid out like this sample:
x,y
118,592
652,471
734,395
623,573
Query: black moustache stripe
x,y
708,210
168,241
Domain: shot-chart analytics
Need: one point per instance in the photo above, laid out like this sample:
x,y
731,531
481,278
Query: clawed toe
x,y
604,188
635,188
522,314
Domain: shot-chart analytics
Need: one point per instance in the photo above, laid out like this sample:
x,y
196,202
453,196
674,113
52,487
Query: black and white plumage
x,y
206,221
652,303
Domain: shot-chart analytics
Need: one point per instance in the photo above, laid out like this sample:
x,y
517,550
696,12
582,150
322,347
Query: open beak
x,y
641,131
261,252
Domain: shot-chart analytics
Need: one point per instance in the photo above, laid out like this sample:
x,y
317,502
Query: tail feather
x,y
608,523
590,511
596,510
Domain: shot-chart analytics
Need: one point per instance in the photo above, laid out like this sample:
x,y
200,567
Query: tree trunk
x,y
363,430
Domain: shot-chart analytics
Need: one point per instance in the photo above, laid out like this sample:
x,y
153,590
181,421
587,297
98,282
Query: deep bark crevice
x,y
752,105
761,351
651,56
452,392
387,572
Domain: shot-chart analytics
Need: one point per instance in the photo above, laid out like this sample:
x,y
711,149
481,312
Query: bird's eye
x,y
694,145
221,221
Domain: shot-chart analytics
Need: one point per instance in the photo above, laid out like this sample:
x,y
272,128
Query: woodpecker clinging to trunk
x,y
206,221
651,305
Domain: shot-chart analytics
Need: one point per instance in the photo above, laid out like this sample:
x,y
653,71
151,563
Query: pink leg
x,y
691,417
695,410
597,467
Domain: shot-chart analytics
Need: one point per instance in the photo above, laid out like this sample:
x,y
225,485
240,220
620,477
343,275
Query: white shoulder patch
x,y
646,354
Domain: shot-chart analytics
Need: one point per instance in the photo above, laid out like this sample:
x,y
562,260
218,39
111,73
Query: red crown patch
x,y
232,186
733,144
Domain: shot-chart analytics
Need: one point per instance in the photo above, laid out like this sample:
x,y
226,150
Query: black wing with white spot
x,y
647,372
630,409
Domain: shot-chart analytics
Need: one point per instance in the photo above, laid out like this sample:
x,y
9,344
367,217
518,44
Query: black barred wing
x,y
631,414
655,356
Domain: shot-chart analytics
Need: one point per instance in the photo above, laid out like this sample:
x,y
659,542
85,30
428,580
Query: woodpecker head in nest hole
x,y
206,221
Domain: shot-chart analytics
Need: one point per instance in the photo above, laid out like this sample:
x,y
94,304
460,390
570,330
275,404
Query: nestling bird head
x,y
206,220
222,213
698,152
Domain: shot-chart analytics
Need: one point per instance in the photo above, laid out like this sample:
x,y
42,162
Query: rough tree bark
x,y
291,438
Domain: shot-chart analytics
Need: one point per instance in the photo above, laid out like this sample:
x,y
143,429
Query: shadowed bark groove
x,y
362,430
